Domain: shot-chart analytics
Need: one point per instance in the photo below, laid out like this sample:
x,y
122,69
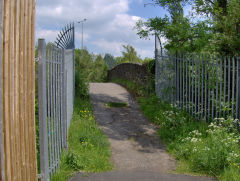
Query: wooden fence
x,y
17,118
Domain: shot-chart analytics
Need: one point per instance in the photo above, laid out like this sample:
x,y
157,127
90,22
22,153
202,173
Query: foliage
x,y
135,89
129,55
81,87
212,151
88,148
214,26
92,67
181,35
110,61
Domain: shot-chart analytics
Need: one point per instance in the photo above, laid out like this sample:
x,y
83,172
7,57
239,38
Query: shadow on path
x,y
137,152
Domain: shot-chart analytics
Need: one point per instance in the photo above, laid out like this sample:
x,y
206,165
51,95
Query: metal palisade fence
x,y
55,95
205,86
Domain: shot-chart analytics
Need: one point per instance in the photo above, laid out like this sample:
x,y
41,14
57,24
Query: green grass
x,y
137,90
116,104
88,147
200,148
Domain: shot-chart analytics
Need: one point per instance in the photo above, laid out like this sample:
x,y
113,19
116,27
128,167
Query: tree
x,y
129,55
217,33
110,61
91,66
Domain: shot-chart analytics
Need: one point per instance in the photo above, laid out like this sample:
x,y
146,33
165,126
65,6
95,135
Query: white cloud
x,y
48,34
107,28
110,46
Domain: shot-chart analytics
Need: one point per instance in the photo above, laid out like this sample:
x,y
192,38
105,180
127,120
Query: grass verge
x,y
88,147
200,148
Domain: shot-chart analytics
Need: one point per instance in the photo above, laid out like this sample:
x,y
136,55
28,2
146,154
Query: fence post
x,y
157,55
64,99
1,119
238,88
43,133
65,108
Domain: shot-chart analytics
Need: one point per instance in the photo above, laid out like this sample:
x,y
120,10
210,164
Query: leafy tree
x,y
129,55
110,61
92,67
217,33
119,59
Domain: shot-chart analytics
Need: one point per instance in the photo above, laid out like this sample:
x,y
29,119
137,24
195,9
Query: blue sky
x,y
110,23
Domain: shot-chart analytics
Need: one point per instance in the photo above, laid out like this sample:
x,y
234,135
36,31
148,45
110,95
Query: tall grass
x,y
88,148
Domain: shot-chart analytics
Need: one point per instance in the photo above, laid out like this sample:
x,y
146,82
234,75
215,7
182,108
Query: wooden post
x,y
1,120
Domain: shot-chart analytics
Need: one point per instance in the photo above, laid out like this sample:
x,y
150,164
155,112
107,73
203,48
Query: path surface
x,y
137,152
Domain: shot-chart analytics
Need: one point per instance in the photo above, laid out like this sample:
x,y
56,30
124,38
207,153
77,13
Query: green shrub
x,y
81,87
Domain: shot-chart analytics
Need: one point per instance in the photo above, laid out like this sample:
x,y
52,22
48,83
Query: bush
x,y
81,87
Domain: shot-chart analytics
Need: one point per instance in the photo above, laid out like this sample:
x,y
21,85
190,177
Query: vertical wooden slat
x,y
18,90
1,106
32,88
12,89
17,58
21,104
25,91
5,93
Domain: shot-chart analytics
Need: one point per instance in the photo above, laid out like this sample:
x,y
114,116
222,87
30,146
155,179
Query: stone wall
x,y
129,71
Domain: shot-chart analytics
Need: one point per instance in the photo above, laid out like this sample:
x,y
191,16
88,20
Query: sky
x,y
110,23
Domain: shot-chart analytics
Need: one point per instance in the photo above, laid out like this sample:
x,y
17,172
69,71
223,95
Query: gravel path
x,y
137,152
